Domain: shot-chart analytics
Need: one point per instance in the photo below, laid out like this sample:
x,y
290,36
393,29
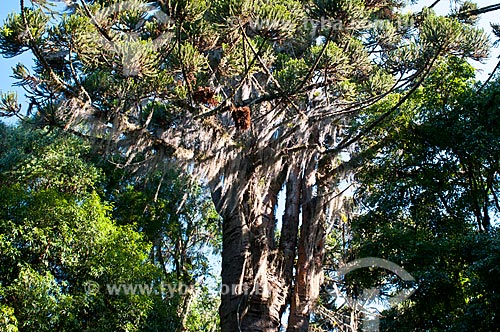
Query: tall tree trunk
x,y
290,230
253,292
235,245
309,274
257,275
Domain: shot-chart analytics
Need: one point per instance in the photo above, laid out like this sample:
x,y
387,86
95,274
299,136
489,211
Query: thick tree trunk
x,y
253,292
257,275
235,245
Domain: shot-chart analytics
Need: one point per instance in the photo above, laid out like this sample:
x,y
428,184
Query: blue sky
x,y
485,68
8,6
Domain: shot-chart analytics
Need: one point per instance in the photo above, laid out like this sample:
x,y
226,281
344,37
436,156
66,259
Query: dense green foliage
x,y
61,246
428,184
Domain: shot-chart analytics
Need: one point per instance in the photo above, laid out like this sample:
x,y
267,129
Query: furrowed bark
x,y
234,248
289,231
309,274
262,310
252,289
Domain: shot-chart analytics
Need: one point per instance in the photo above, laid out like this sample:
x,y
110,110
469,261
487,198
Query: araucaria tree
x,y
252,96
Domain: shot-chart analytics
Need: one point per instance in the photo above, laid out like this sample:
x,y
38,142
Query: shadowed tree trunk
x,y
290,229
309,275
258,274
253,291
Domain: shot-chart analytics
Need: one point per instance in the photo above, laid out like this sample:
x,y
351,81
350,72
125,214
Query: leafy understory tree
x,y
57,236
68,234
180,221
427,203
250,96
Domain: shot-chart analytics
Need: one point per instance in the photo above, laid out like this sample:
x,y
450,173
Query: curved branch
x,y
349,141
478,11
38,54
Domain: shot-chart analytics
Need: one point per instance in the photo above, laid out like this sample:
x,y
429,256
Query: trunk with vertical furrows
x,y
258,273
309,275
290,230
254,291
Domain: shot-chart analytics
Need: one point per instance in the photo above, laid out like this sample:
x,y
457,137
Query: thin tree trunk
x,y
186,307
290,231
309,274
